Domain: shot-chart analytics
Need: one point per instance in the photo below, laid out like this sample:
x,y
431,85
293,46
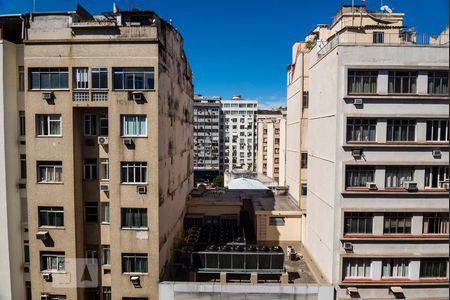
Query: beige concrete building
x,y
108,113
270,159
377,151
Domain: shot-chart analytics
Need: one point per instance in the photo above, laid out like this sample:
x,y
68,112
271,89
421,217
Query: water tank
x,y
264,257
251,257
277,258
212,257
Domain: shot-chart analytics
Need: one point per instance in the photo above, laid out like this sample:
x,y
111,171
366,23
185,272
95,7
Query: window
x,y
378,37
133,78
105,212
134,263
23,166
359,176
395,268
402,82
435,223
276,221
21,79
304,160
134,218
91,212
90,169
106,291
133,172
49,171
104,124
362,82
104,169
401,130
435,177
99,78
89,124
305,99
80,78
437,130
26,251
397,223
303,189
438,82
91,254
133,125
56,297
396,176
48,78
51,216
48,125
358,222
21,123
52,261
106,254
361,130
433,268
277,141
357,268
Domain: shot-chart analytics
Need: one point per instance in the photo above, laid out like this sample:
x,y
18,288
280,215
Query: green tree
x,y
218,181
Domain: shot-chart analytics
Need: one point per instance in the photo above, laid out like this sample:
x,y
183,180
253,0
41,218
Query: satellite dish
x,y
386,8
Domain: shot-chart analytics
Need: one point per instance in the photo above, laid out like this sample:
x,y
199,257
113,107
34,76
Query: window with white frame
x,y
48,78
358,222
378,37
133,78
49,171
437,130
91,212
52,261
134,218
436,177
395,268
133,172
359,176
397,223
133,125
90,124
22,123
48,125
106,254
51,216
362,82
361,129
99,78
401,130
103,124
357,268
438,82
21,79
90,169
91,254
435,223
402,82
104,212
80,78
104,169
134,263
434,267
396,176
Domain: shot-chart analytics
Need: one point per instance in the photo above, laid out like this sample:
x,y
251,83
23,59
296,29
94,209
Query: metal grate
x,y
99,96
80,96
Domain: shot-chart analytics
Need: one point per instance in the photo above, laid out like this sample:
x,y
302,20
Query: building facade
x,y
108,113
377,195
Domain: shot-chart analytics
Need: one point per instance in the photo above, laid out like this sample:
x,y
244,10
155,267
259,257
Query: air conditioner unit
x,y
372,186
42,235
348,246
47,276
352,291
357,101
137,96
357,153
135,280
128,141
445,185
436,153
103,140
104,187
47,96
44,297
410,186
142,189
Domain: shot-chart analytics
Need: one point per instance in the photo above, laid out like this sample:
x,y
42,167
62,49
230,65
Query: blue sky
x,y
243,47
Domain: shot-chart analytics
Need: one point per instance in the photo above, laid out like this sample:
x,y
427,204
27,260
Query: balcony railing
x,y
86,96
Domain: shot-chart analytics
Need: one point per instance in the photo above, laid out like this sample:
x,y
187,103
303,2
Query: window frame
x,y
137,125
80,78
360,172
48,165
51,213
89,124
349,263
443,79
395,76
441,261
440,174
44,123
440,222
431,130
365,127
395,266
134,165
356,80
99,71
104,169
105,213
398,126
138,217
50,72
90,169
123,71
88,215
126,269
364,222
60,261
395,176
397,217
378,37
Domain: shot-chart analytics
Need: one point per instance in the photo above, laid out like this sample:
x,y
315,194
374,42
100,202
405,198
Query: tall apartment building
x,y
240,141
107,111
208,138
270,161
377,135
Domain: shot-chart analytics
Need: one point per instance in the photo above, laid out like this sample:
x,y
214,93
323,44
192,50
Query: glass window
x,y
99,78
276,221
104,169
133,78
105,212
91,254
305,100
436,177
26,251
80,78
303,189
48,78
104,124
433,268
378,37
397,223
359,176
395,268
23,166
437,130
438,83
304,160
90,124
52,261
357,268
91,212
362,82
396,176
133,125
401,130
21,123
51,216
106,291
435,223
106,254
133,172
361,129
21,79
134,218
402,82
49,171
48,125
134,263
90,169
358,222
